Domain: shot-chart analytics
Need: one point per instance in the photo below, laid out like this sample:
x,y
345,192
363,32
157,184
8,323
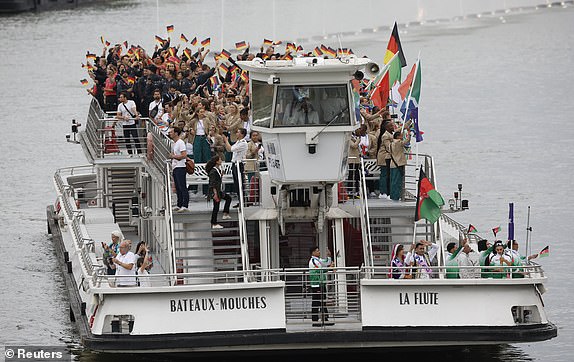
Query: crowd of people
x,y
498,260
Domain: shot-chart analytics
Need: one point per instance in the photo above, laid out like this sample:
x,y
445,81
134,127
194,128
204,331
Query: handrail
x,y
365,220
241,220
169,217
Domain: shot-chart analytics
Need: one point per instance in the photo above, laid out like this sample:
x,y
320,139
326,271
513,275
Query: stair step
x,y
216,267
210,257
228,238
211,247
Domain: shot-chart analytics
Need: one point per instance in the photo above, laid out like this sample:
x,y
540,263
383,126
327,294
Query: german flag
x,y
233,69
331,52
103,40
206,42
291,46
170,29
84,82
183,38
172,51
324,49
187,53
193,41
267,42
90,56
240,46
317,52
225,54
277,42
224,67
131,80
159,40
126,44
214,81
288,57
130,52
299,48
244,76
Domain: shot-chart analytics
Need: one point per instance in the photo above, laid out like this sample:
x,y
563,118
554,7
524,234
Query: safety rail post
x,y
169,217
241,221
365,219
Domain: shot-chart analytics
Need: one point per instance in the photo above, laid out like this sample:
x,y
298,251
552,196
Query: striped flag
x,y
225,54
193,41
224,67
471,229
84,81
331,52
291,46
288,57
187,53
394,46
170,29
172,51
131,80
160,40
544,252
317,52
105,42
244,76
277,42
267,42
410,108
183,38
90,56
214,81
126,44
299,48
130,52
206,42
240,46
495,230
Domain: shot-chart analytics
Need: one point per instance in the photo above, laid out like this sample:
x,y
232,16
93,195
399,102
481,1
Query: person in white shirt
x,y
156,110
239,150
467,258
127,116
126,266
421,259
178,157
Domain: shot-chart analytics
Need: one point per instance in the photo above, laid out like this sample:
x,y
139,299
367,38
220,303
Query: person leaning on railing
x,y
128,117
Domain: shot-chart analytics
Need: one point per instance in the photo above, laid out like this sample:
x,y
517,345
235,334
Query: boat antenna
x,y
528,235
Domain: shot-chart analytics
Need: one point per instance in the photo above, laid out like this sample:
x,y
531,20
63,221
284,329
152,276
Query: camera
x,y
226,133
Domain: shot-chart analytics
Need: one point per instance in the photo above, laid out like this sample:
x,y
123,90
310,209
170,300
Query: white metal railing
x,y
241,221
365,220
169,217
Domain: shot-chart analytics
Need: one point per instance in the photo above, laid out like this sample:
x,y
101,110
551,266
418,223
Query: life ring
x,y
92,202
149,146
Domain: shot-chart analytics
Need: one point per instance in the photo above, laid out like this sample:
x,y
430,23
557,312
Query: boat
x,y
247,287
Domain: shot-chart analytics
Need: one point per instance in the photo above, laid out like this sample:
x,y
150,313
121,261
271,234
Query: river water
x,y
496,109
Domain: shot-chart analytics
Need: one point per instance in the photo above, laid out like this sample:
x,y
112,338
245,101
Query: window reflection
x,y
311,105
262,100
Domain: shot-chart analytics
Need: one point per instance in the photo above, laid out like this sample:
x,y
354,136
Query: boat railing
x,y
169,217
365,219
479,272
241,222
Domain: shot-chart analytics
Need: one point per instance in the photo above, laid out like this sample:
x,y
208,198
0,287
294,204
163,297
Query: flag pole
x,y
528,235
410,92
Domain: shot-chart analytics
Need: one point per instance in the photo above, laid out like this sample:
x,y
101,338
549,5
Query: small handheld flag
x,y
84,81
267,42
126,44
90,56
495,230
131,80
225,54
193,41
471,229
105,42
544,252
183,38
170,29
160,40
187,53
242,45
206,42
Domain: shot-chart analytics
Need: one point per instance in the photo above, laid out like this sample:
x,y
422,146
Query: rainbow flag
x,y
183,38
159,40
242,45
84,81
90,56
495,230
471,229
131,80
206,42
170,29
193,41
267,42
544,252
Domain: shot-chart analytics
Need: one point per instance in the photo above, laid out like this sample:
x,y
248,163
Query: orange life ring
x,y
149,146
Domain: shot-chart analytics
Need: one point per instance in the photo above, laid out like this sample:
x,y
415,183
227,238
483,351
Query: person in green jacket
x,y
317,279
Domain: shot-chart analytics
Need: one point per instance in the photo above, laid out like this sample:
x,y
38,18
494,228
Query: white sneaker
x,y
176,209
216,226
382,196
183,209
226,217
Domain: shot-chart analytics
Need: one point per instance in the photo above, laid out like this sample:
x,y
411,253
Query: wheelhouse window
x,y
262,100
312,105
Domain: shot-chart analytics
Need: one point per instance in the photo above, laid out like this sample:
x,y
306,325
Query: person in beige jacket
x,y
384,139
354,161
398,163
